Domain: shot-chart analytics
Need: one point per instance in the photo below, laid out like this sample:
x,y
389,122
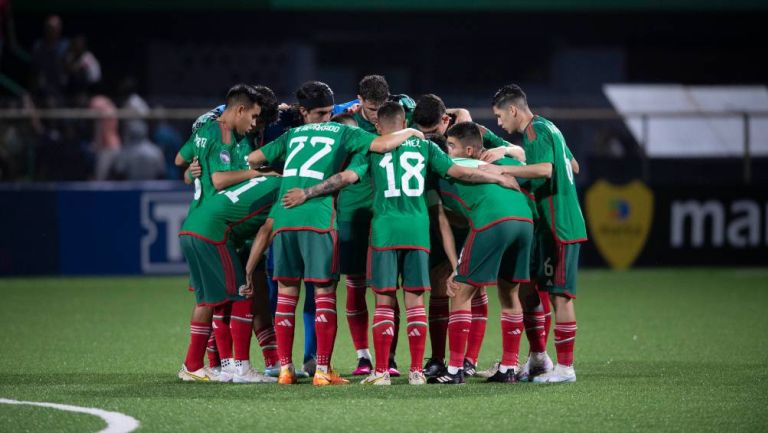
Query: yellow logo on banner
x,y
619,219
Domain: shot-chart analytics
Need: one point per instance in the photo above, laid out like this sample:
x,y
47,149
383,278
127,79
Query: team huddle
x,y
394,194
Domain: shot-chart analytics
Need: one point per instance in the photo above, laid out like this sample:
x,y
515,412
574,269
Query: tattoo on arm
x,y
333,183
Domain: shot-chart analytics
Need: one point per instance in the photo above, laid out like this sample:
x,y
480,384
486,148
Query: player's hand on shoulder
x,y
294,197
417,133
509,182
516,152
493,155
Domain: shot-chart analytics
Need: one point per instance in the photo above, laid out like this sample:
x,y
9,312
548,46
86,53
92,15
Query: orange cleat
x,y
330,378
287,375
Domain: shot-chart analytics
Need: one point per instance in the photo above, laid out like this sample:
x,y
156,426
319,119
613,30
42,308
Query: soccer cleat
x,y
193,376
509,376
250,375
227,374
377,379
393,368
330,378
272,370
560,374
469,368
213,373
434,367
364,367
287,375
446,378
416,378
489,372
536,364
309,368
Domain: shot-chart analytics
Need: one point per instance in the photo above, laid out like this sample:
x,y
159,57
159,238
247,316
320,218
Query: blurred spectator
x,y
7,29
83,68
128,98
169,140
106,137
48,57
140,159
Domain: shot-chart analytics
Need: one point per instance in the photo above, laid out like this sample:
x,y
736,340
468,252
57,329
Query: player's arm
x,y
532,171
223,179
473,175
449,243
575,166
389,142
296,196
260,244
461,114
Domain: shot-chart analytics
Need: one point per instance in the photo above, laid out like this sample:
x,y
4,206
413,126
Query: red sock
x,y
357,311
285,322
221,330
565,337
325,326
383,331
268,343
393,347
458,333
438,325
198,337
240,325
546,304
213,353
534,330
477,330
511,330
417,335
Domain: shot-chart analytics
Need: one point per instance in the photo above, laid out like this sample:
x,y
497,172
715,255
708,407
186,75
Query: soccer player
x,y
496,252
354,217
559,236
432,117
305,238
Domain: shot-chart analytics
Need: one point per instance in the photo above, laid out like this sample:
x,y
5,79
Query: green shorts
x,y
500,251
215,272
386,267
353,246
305,255
556,264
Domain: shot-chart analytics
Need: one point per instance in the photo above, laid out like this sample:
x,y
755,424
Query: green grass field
x,y
656,350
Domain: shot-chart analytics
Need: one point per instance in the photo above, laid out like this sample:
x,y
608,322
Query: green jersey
x,y
491,140
400,218
484,205
312,153
235,213
216,149
556,198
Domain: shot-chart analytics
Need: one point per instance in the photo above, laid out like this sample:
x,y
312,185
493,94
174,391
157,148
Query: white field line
x,y
116,422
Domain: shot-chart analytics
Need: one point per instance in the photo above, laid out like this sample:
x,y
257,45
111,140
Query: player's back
x,y
483,204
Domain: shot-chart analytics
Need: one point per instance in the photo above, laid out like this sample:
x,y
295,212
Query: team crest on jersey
x,y
620,219
224,156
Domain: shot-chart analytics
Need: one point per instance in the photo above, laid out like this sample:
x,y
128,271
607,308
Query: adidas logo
x,y
514,332
389,331
214,326
285,322
321,318
414,333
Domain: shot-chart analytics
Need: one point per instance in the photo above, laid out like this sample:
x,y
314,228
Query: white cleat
x,y
213,373
377,379
227,373
417,378
536,364
490,371
250,375
198,375
560,374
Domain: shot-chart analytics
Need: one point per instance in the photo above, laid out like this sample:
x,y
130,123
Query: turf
x,y
657,350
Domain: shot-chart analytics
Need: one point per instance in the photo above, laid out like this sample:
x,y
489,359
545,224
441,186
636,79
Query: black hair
x,y
389,111
344,119
438,139
267,100
510,94
429,110
314,91
241,94
468,133
373,88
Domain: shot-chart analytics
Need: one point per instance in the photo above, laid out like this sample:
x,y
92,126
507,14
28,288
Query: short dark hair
x,y
468,133
312,90
241,94
344,119
373,88
389,111
267,100
429,109
510,94
438,139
